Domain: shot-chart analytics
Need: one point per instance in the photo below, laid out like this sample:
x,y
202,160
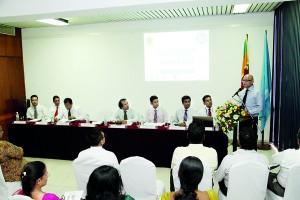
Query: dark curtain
x,y
285,114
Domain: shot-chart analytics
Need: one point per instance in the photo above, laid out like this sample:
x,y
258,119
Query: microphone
x,y
240,89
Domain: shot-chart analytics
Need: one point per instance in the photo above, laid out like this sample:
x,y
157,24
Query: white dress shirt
x,y
179,115
131,115
162,115
42,112
52,111
76,111
204,112
254,102
285,159
236,157
88,160
205,154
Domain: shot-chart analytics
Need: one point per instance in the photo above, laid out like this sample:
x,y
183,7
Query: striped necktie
x,y
185,116
155,116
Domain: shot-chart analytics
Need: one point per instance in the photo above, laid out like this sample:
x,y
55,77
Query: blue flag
x,y
266,86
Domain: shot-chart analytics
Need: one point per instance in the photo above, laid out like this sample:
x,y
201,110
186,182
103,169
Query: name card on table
x,y
19,122
117,126
177,128
209,128
147,127
63,123
41,123
87,125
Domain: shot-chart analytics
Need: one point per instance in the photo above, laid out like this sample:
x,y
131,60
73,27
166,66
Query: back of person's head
x,y
32,171
94,136
152,98
247,138
196,132
68,100
190,174
185,98
105,183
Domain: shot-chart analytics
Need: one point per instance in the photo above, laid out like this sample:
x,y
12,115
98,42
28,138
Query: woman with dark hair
x,y
190,174
33,178
105,183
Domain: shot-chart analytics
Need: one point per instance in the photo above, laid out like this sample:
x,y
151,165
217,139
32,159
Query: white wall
x,y
98,64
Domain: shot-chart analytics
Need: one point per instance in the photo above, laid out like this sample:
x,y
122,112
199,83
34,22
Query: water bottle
x,y
105,121
52,119
172,121
142,120
17,116
87,118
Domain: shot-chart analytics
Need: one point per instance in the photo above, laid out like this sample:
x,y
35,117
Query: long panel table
x,y
65,142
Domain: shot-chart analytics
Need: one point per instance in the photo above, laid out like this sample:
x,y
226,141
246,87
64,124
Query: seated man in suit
x,y
184,115
285,159
36,111
93,157
71,112
156,114
125,113
245,153
11,160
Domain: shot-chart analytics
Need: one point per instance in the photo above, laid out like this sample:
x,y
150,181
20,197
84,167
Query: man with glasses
x,y
252,100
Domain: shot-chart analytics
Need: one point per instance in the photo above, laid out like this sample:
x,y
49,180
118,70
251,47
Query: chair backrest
x,y
3,186
139,178
292,187
19,197
247,181
206,182
82,171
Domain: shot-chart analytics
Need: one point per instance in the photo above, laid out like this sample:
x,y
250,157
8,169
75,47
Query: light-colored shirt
x,y
131,115
204,112
52,111
76,111
179,115
236,157
205,154
254,101
285,159
162,115
42,112
88,160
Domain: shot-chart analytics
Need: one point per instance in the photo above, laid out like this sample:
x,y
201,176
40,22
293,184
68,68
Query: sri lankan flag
x,y
245,64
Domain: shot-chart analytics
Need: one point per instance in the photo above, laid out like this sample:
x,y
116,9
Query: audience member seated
x,y
11,160
196,131
190,174
105,183
284,159
246,152
88,160
33,178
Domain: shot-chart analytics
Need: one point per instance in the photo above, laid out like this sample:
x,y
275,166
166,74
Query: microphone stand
x,y
261,146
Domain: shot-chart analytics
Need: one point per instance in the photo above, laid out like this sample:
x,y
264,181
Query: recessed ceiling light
x,y
240,8
57,22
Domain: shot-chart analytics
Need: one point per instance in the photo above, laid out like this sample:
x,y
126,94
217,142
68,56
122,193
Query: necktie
x,y
125,115
35,113
56,112
209,112
245,97
185,116
155,116
69,113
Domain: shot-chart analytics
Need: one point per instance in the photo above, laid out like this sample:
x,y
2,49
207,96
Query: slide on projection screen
x,y
177,56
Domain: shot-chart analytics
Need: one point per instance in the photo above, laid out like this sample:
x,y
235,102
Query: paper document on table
x,y
87,125
35,120
19,122
74,195
147,127
62,123
97,122
41,123
176,128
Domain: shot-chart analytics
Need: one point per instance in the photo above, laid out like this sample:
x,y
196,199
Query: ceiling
x,y
162,12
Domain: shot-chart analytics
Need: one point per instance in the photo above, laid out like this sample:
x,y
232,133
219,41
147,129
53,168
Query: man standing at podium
x,y
252,100
124,114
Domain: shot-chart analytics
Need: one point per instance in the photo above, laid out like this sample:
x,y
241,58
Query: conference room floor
x,y
62,177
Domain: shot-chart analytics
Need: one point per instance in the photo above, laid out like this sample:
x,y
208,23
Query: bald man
x,y
252,99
